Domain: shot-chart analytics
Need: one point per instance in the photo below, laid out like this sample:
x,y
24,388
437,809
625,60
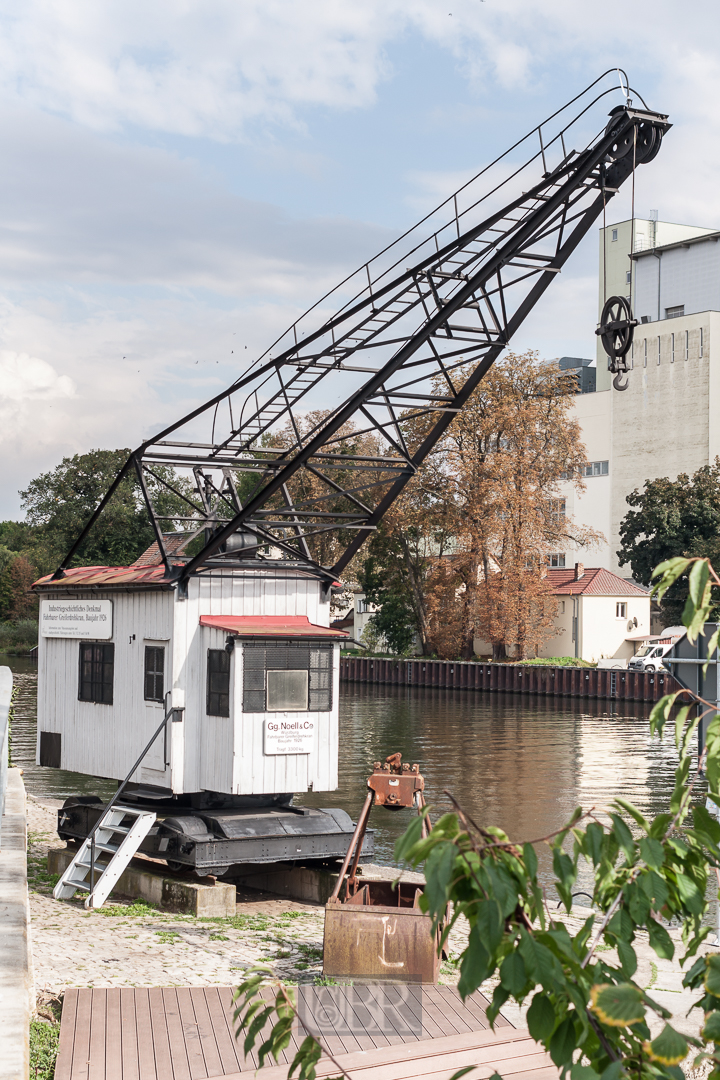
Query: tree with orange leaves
x,y
497,476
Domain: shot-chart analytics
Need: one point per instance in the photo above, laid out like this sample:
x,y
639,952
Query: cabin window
x,y
96,673
287,676
218,682
154,672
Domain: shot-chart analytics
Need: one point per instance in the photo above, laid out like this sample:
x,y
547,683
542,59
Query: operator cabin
x,y
246,656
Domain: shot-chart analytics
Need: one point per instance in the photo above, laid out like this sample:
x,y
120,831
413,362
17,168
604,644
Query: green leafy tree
x,y
585,1006
59,503
388,577
672,518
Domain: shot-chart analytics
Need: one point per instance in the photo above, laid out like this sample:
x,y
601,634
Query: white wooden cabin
x,y
247,654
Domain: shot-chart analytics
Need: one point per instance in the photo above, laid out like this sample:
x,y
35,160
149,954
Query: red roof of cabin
x,y
270,626
594,582
78,576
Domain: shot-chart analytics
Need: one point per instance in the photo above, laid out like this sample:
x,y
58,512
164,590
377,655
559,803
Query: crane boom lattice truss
x,y
413,332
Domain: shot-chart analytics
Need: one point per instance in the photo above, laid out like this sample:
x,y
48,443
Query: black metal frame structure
x,y
413,332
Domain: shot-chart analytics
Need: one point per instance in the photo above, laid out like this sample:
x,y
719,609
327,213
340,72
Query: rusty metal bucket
x,y
380,933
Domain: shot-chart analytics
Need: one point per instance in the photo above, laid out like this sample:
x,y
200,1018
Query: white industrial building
x,y
667,421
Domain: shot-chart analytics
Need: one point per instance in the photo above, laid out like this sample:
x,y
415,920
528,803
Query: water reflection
x,y
515,761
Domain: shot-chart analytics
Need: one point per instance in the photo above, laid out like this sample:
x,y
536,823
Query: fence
x,y
6,682
617,685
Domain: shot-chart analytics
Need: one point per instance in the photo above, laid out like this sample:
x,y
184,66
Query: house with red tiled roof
x,y
599,614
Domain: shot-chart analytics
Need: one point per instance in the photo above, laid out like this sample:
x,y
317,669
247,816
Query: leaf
x,y
618,1006
712,646
594,836
468,1069
654,887
690,894
660,712
711,1030
668,1048
697,581
583,1072
530,859
410,837
563,1043
540,963
633,812
308,1054
680,722
489,924
476,964
668,572
660,940
512,973
623,836
439,867
652,852
628,959
541,1018
707,822
712,975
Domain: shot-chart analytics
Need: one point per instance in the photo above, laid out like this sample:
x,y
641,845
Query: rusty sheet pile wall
x,y
510,678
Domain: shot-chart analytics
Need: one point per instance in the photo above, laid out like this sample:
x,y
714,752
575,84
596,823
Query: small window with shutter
x,y
154,672
218,682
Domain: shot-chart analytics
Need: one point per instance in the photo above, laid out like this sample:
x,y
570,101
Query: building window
x,y
621,611
561,607
154,672
287,676
557,511
675,312
614,234
687,344
645,353
596,468
96,673
628,277
702,350
218,682
658,348
672,348
557,562
361,607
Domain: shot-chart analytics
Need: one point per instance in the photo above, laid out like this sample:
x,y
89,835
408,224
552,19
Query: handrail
x,y
6,684
121,788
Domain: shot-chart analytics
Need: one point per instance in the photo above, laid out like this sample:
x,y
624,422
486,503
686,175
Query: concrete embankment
x,y
16,982
543,681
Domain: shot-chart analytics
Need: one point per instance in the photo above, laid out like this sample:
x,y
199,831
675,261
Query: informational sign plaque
x,y
76,619
289,736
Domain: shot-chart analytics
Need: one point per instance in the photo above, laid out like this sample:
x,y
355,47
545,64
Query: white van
x,y
650,656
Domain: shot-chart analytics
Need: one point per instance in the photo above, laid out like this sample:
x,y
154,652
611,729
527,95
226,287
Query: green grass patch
x,y
138,908
44,1039
167,937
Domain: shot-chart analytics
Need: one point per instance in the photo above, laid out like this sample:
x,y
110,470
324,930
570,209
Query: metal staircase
x,y
118,834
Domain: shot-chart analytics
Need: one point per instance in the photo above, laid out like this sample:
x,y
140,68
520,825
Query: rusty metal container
x,y
380,933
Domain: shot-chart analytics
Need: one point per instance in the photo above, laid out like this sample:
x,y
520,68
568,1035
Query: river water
x,y
515,761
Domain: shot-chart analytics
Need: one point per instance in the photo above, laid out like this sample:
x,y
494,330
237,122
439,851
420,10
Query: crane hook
x,y
618,383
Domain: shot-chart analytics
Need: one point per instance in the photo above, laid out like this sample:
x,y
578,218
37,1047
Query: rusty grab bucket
x,y
379,932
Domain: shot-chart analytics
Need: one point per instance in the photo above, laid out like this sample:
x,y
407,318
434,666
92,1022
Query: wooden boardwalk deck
x,y
186,1033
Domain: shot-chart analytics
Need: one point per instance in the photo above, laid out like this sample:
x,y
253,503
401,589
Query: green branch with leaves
x,y
584,1008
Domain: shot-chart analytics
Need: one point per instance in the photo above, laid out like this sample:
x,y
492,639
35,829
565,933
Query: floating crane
x,y
282,478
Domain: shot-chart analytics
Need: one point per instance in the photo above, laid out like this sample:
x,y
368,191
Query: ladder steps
x,y
78,884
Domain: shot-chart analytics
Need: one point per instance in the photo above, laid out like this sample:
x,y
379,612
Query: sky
x,y
179,181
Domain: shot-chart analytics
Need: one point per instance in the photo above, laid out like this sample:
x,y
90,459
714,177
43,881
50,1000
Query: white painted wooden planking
x,y
223,754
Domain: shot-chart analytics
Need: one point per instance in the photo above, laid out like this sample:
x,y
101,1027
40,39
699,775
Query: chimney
x,y
579,570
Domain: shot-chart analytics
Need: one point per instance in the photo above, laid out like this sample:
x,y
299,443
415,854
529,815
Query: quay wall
x,y
602,683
